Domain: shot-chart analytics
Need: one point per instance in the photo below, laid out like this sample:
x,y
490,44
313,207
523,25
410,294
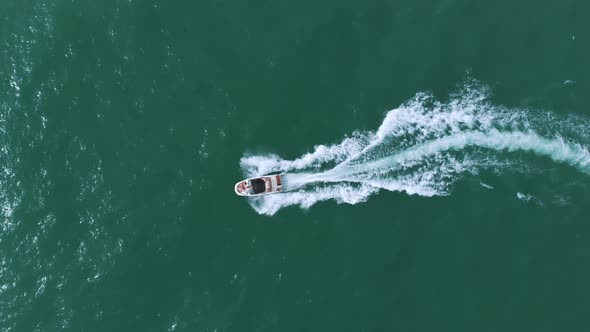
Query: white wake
x,y
422,148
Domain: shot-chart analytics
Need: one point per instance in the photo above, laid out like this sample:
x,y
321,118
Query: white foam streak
x,y
556,149
259,165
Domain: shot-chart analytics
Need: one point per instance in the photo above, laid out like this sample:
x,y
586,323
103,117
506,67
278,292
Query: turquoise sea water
x,y
437,154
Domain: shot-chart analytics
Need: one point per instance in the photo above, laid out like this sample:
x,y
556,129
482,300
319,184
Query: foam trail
x,y
423,147
485,185
556,149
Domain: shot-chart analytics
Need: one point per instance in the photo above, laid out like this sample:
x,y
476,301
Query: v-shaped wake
x,y
422,148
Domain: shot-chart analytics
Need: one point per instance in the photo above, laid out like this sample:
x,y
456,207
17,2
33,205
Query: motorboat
x,y
262,185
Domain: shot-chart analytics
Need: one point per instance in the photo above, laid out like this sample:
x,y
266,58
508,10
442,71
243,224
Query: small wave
x,y
485,185
527,198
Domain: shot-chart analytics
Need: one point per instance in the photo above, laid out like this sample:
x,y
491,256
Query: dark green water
x,y
123,123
